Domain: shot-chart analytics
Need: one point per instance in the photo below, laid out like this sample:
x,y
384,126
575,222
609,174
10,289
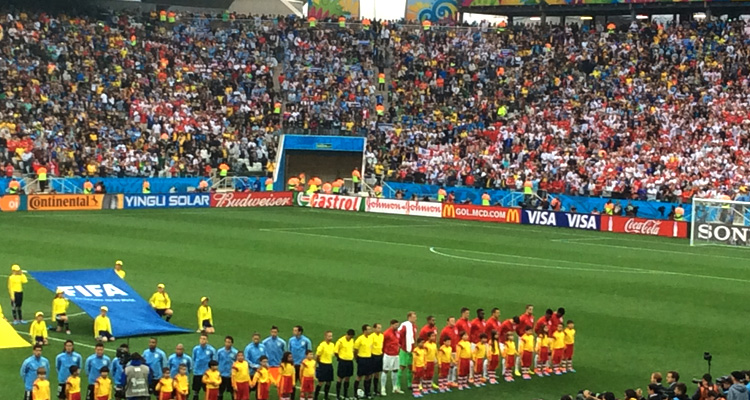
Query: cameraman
x,y
122,358
705,385
137,378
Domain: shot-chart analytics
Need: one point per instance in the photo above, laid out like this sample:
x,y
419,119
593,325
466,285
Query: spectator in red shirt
x,y
493,323
543,320
424,333
463,324
526,320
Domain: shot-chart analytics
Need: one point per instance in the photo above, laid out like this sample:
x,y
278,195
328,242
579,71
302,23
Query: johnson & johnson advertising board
x,y
251,199
641,226
336,202
404,207
482,213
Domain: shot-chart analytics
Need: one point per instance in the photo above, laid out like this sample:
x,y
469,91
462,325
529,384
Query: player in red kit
x,y
430,327
477,327
493,323
463,324
542,321
509,325
556,319
450,331
526,320
391,340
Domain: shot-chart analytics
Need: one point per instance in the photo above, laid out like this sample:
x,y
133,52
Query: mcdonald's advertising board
x,y
482,213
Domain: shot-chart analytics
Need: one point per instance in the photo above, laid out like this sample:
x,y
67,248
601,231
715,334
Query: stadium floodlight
x,y
699,15
720,222
586,18
535,19
641,16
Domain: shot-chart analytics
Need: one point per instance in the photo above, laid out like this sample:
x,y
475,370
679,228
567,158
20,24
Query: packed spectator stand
x,y
643,111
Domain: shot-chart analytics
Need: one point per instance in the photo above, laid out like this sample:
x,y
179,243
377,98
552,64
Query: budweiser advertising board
x,y
251,199
336,202
642,226
404,207
482,213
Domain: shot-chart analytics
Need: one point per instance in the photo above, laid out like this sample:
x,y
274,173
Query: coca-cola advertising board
x,y
642,226
251,199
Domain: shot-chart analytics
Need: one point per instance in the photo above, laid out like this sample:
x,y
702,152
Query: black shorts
x,y
324,372
59,320
198,384
17,299
61,391
38,339
364,366
345,369
152,385
206,324
161,311
377,364
226,385
27,395
105,334
90,392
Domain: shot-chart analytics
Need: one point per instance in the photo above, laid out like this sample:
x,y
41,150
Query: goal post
x,y
720,222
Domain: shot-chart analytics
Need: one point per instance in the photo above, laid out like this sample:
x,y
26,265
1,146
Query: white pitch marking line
x,y
683,253
632,271
582,238
88,346
345,227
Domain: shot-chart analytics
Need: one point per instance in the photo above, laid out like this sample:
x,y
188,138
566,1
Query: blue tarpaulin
x,y
90,289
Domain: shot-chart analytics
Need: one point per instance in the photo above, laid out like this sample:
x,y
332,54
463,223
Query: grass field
x,y
640,304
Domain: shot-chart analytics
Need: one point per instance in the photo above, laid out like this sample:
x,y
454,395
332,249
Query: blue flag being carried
x,y
91,289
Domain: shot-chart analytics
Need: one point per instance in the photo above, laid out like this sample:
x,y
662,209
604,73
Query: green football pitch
x,y
640,304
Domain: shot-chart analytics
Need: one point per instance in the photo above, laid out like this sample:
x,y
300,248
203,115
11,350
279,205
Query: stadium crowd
x,y
735,386
644,110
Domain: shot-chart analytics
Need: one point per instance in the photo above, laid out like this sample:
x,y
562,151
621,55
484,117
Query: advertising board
x,y
65,202
190,200
336,202
482,213
251,199
723,233
561,219
643,226
404,207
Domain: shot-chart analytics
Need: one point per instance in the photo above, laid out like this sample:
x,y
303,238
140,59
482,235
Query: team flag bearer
x,y
38,329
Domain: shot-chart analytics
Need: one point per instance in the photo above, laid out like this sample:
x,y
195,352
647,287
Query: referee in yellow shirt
x,y
16,280
344,350
363,352
161,302
324,370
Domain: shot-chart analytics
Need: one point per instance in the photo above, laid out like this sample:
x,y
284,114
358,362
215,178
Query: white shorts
x,y
390,363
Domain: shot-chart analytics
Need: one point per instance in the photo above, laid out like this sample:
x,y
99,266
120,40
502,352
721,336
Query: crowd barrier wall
x,y
507,215
583,205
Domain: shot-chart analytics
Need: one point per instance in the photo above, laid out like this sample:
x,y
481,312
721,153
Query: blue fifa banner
x,y
90,289
187,200
561,219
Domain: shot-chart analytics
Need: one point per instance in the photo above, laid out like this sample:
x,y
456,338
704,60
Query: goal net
x,y
720,222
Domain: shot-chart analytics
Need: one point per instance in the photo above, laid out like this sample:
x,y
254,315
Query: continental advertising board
x,y
70,202
404,207
482,213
